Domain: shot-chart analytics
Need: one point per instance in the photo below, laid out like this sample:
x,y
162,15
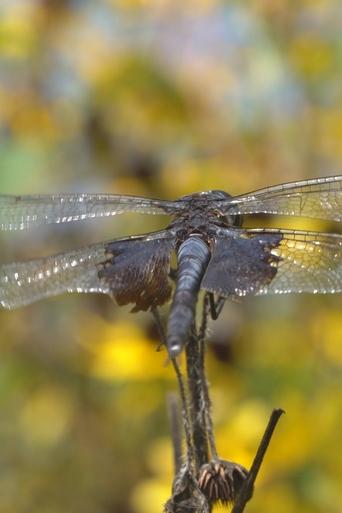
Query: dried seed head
x,y
221,481
186,496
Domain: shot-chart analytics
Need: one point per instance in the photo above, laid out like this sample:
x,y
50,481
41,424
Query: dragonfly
x,y
214,251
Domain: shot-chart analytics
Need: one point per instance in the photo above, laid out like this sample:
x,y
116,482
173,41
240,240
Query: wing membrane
x,y
240,263
274,262
319,198
22,212
137,270
308,262
132,270
22,283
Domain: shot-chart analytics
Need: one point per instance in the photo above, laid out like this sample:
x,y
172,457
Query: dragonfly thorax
x,y
205,209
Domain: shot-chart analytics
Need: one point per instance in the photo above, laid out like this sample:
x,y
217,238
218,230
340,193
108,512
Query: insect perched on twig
x,y
214,252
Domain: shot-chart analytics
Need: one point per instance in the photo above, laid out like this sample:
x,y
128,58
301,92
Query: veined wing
x,y
319,198
308,262
22,212
274,262
22,283
132,270
137,269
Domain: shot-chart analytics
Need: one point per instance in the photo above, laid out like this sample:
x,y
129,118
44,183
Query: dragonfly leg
x,y
215,306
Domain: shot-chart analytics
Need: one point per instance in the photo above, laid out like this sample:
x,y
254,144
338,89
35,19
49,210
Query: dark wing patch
x,y
275,262
137,270
242,264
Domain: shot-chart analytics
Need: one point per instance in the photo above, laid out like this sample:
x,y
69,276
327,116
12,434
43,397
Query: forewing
x,y
132,270
22,212
275,262
319,198
137,270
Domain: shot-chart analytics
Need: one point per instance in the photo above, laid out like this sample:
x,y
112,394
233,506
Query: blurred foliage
x,y
164,98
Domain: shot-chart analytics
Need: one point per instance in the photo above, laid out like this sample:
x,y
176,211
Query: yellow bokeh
x,y
166,5
149,496
238,439
17,35
29,115
159,458
124,353
310,55
161,98
330,128
46,416
329,323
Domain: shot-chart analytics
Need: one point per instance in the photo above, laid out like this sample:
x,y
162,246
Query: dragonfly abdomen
x,y
193,258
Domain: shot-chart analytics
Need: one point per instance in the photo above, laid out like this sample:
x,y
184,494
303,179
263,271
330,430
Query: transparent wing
x,y
318,198
22,212
306,262
274,262
22,283
132,270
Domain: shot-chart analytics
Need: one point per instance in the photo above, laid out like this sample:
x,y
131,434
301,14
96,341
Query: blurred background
x,y
163,98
